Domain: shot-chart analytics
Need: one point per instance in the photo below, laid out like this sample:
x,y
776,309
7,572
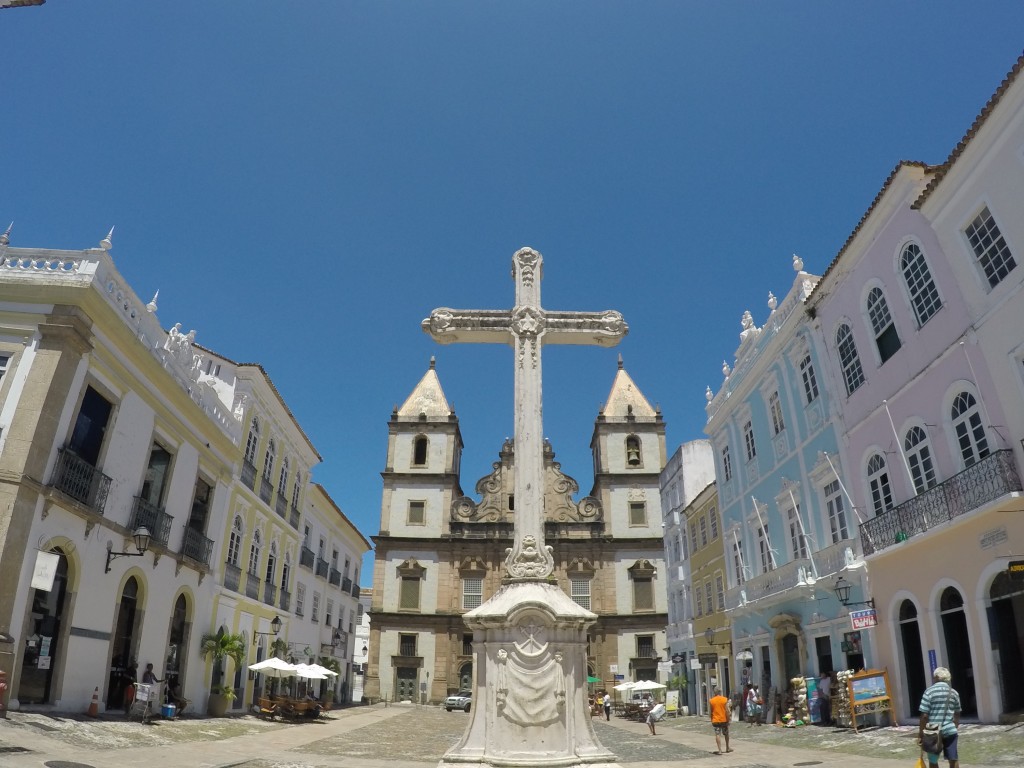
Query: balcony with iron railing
x,y
346,584
248,475
153,518
307,557
281,505
252,586
294,517
196,547
269,593
266,489
80,480
322,567
355,589
981,483
286,600
334,577
232,576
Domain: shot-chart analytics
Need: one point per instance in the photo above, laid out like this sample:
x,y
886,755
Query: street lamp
x,y
842,590
275,628
141,537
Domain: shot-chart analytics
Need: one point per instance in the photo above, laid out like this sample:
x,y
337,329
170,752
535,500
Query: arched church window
x,y
633,456
419,451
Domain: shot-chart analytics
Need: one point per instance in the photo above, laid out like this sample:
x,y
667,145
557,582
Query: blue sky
x,y
304,182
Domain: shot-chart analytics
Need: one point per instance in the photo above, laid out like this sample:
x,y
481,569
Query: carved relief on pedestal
x,y
529,560
530,688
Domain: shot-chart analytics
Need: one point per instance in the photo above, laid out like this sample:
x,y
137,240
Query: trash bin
x,y
168,711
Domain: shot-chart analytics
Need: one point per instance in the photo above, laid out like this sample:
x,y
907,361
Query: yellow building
x,y
711,630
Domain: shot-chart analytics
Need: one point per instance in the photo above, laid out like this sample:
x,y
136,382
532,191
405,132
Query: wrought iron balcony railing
x,y
355,589
281,505
196,547
248,475
152,517
983,482
252,586
232,576
286,600
294,517
321,567
269,593
306,557
334,577
407,649
80,480
346,584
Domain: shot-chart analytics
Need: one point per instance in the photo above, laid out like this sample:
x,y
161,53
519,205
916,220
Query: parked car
x,y
460,700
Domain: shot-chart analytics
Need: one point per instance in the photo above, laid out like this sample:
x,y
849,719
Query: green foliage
x,y
279,648
331,663
677,683
221,645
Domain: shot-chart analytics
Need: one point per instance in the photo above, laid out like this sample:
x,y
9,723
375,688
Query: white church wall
x,y
432,497
428,585
617,516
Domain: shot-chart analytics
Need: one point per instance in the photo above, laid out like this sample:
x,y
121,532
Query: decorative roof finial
x,y
709,395
433,362
620,361
772,301
5,238
798,263
151,307
726,370
106,243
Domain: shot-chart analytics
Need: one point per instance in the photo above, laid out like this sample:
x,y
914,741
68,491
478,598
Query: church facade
x,y
439,552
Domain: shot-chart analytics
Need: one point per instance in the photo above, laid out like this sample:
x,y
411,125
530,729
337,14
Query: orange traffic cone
x,y
94,705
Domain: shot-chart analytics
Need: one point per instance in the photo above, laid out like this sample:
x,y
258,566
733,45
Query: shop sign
x,y
1015,569
707,658
864,619
45,570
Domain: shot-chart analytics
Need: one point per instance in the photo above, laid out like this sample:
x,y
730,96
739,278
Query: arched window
x,y
878,482
919,457
853,374
254,551
924,297
419,451
235,541
282,480
908,611
886,338
970,432
913,655
271,563
295,490
775,408
252,442
268,462
633,455
286,574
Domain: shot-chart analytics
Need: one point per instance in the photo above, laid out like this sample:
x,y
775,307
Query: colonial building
x,y
921,320
788,529
153,491
688,472
440,552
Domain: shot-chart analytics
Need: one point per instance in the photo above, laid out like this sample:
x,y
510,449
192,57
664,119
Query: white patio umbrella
x,y
274,667
647,685
623,686
310,672
321,669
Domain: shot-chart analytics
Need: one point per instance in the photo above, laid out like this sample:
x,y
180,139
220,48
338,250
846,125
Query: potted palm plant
x,y
217,647
332,664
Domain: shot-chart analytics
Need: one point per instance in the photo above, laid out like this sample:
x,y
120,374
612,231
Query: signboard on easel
x,y
869,694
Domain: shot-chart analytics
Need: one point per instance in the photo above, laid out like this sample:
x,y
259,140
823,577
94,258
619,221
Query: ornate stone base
x,y
529,692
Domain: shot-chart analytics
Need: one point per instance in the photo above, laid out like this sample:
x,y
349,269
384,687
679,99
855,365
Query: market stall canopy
x,y
592,679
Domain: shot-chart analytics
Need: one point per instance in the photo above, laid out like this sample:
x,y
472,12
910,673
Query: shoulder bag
x,y
931,737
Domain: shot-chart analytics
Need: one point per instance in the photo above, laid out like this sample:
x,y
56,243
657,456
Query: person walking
x,y
825,691
720,712
607,701
657,712
938,728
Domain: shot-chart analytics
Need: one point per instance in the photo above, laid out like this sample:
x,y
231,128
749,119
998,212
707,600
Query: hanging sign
x,y
1015,570
45,571
864,619
613,669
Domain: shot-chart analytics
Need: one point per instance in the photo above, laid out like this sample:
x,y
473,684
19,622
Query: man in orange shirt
x,y
720,707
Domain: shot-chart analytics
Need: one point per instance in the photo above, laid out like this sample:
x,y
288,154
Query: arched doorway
x,y
1007,617
123,656
177,642
40,655
466,677
913,656
958,648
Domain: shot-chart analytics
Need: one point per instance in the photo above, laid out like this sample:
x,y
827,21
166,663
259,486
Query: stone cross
x,y
527,327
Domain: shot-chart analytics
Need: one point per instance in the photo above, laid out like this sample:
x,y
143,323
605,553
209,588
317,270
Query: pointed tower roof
x,y
427,398
626,399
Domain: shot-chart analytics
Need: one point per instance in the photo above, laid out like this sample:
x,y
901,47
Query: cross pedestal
x,y
529,639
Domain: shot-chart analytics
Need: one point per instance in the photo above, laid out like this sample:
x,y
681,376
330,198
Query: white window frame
x,y
472,592
923,293
881,323
879,484
775,409
967,428
993,270
579,591
849,359
809,379
835,507
919,458
748,440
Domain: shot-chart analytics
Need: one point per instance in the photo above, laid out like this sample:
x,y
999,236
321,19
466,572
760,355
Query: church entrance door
x,y
405,684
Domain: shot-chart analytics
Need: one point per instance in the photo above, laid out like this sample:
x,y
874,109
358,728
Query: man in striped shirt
x,y
940,705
